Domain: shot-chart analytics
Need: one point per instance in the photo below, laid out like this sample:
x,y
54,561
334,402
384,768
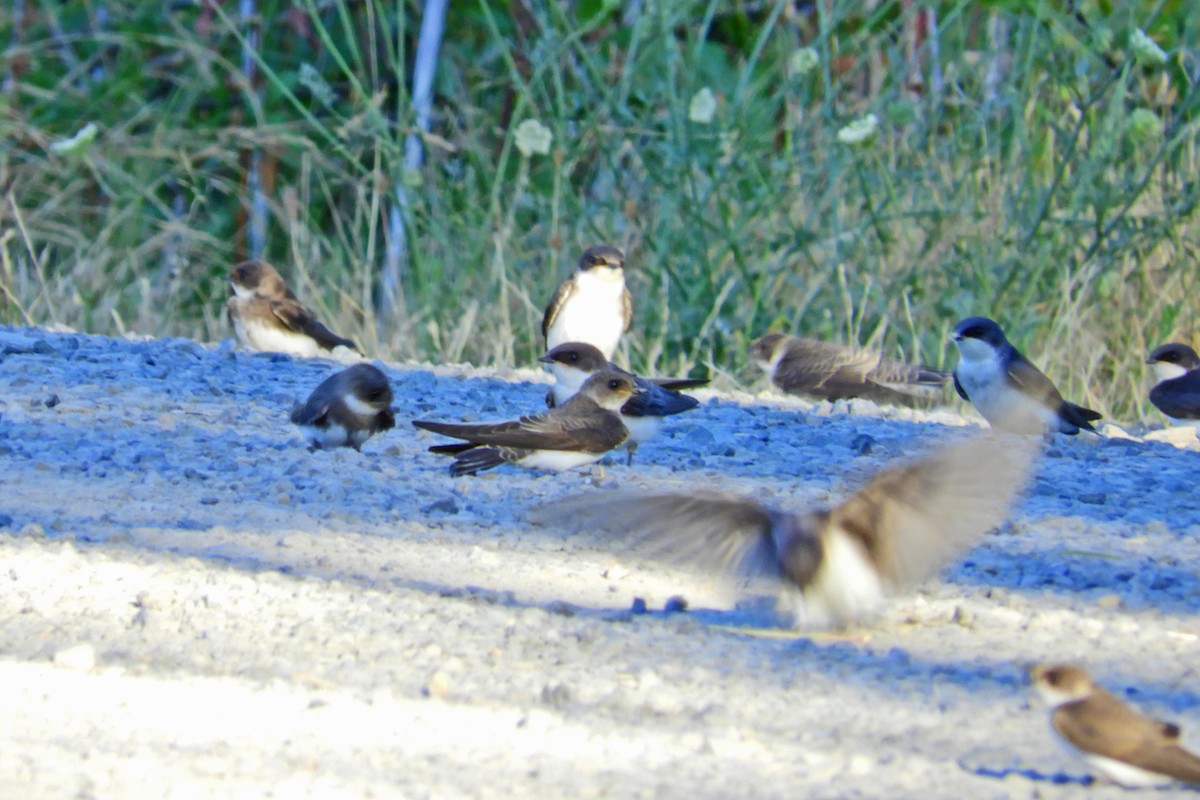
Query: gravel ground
x,y
192,604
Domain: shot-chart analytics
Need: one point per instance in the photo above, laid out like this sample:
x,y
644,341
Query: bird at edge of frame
x,y
572,363
575,434
1177,391
1116,741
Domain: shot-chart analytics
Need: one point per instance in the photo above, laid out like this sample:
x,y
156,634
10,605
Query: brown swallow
x,y
577,433
1117,741
592,305
574,362
267,317
836,564
831,371
347,409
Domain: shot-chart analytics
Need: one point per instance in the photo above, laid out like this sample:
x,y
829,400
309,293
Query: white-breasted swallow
x,y
592,305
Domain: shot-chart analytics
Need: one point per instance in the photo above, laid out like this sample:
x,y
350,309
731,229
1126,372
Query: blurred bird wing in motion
x,y
713,531
909,519
913,518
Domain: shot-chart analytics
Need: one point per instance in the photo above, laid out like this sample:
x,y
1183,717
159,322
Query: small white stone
x,y
81,658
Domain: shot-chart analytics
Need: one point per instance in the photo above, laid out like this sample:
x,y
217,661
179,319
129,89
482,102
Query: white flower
x,y
703,107
860,131
311,79
78,144
1146,50
533,137
803,61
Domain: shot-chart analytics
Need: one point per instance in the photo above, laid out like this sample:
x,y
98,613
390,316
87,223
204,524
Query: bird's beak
x,y
546,359
1150,361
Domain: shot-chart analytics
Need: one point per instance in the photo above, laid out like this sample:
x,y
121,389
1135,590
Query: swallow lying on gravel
x,y
577,433
1177,393
831,371
1120,743
835,565
347,409
1006,388
574,362
267,317
592,305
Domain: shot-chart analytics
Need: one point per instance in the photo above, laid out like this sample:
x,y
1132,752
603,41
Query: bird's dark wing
x,y
913,518
908,379
656,401
626,310
679,384
1178,397
568,427
1032,381
828,371
1103,725
313,412
556,303
298,318
958,387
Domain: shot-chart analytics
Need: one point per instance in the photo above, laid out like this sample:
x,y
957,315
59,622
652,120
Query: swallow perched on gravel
x,y
347,409
267,317
574,362
831,371
1006,388
1177,393
577,433
833,566
1120,743
592,305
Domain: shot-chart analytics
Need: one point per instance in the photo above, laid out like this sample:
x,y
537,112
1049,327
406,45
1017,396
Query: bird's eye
x,y
1171,357
1053,677
572,357
614,384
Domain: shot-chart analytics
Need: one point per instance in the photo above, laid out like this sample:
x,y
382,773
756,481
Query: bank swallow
x,y
267,317
574,362
1120,743
1006,389
592,305
832,566
831,371
577,433
1177,393
348,408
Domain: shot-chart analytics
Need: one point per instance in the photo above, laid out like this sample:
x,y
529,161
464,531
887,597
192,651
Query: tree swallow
x,y
834,566
1128,748
830,371
575,434
592,305
1177,393
348,408
1006,389
574,362
267,317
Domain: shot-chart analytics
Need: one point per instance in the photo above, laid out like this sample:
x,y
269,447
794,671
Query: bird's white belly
x,y
1003,406
642,429
594,313
269,339
326,437
1126,774
558,460
847,587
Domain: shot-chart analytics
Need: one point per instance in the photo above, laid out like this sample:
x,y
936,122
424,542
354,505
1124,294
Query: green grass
x,y
1020,188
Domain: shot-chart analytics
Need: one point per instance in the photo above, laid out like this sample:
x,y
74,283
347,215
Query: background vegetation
x,y
1035,162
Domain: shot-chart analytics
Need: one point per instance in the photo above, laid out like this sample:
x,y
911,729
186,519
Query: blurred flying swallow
x,y
592,305
1006,389
348,408
836,565
1177,393
574,362
1126,747
267,317
577,433
833,372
